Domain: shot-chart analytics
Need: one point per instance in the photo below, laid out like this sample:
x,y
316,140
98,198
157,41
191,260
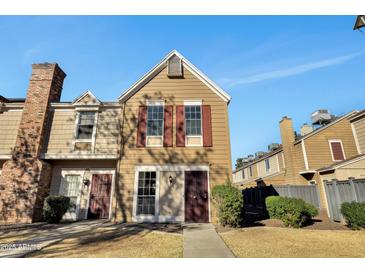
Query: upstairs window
x,y
193,124
267,165
250,170
85,126
337,151
243,174
155,123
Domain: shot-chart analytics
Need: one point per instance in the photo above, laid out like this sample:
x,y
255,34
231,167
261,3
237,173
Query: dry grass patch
x,y
144,244
272,242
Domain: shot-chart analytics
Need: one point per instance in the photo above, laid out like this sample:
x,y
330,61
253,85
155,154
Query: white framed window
x,y
71,186
155,123
267,165
193,123
250,171
85,125
146,193
243,173
337,151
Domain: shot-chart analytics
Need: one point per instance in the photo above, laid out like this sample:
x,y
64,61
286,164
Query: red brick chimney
x,y
25,178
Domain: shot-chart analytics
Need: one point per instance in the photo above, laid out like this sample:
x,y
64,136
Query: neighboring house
x,y
152,155
301,159
352,166
269,168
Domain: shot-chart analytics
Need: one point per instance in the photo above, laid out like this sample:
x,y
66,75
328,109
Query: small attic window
x,y
174,67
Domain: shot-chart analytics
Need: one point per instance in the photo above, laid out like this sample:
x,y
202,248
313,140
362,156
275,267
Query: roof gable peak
x,y
87,98
161,65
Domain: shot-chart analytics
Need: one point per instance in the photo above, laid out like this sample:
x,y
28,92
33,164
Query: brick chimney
x,y
287,139
25,178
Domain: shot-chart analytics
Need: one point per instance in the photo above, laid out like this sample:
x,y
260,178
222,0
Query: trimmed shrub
x,y
354,213
55,207
229,201
293,212
275,206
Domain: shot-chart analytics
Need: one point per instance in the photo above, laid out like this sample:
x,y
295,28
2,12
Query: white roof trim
x,y
326,126
85,156
156,69
345,163
86,93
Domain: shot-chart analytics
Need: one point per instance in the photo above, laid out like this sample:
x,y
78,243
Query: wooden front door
x,y
196,197
100,196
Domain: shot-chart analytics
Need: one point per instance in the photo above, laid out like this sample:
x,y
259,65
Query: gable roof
x,y
255,161
161,65
346,162
78,100
358,116
326,126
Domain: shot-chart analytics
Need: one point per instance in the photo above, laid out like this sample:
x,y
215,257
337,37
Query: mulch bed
x,y
320,222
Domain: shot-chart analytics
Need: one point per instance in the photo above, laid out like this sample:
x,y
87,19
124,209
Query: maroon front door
x,y
100,196
196,197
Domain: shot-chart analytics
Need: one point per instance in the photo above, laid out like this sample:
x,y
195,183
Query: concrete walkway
x,y
202,241
47,237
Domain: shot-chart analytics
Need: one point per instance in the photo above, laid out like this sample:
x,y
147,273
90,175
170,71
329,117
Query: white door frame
x,y
81,171
163,168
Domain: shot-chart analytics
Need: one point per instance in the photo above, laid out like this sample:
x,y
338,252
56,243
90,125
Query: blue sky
x,y
271,65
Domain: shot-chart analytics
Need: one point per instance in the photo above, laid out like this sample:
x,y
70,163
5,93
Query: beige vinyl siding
x,y
62,132
318,149
238,176
273,163
355,169
174,91
281,161
9,124
359,127
108,130
77,165
63,129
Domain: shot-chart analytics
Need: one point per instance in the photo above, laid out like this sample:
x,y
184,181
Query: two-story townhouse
x,y
268,168
350,167
304,157
152,155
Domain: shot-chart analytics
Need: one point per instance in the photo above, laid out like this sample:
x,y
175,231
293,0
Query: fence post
x,y
338,198
353,190
289,191
329,207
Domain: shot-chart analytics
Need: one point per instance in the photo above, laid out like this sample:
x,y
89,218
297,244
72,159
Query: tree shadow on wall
x,y
164,155
22,182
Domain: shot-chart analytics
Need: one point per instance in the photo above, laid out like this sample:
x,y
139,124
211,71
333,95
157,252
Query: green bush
x,y
354,213
55,207
229,201
293,212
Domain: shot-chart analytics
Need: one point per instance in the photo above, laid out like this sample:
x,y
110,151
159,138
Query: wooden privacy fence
x,y
338,192
254,197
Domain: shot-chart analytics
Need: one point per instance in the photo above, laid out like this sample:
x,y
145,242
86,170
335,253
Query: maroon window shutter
x,y
180,127
337,151
167,132
141,128
207,126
